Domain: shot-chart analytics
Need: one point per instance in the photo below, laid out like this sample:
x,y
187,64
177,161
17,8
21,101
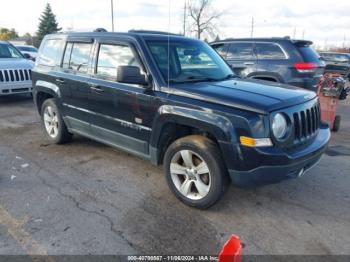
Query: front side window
x,y
8,51
188,61
269,51
112,56
51,52
77,57
220,48
241,51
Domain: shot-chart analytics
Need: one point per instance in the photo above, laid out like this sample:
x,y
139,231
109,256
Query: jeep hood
x,y
251,95
15,63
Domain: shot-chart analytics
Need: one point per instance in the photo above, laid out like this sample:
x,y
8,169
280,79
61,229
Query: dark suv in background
x,y
282,60
336,62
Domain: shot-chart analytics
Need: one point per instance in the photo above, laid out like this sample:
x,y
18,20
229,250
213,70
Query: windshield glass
x,y
8,51
27,49
188,61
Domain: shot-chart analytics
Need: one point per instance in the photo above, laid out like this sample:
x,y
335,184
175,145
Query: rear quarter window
x,y
309,54
77,56
51,52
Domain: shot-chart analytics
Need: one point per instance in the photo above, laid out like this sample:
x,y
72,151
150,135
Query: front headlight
x,y
279,126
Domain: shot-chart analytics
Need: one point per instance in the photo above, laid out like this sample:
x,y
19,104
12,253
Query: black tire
x,y
63,135
209,152
336,124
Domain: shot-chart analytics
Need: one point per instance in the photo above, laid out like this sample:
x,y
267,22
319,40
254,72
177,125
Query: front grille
x,y
306,122
15,75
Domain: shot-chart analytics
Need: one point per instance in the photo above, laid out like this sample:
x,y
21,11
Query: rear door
x,y
241,58
272,61
74,81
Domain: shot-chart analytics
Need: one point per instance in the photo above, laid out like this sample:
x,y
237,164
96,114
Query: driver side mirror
x,y
27,56
131,75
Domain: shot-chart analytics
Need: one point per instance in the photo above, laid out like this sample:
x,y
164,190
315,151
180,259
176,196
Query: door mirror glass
x,y
27,56
131,75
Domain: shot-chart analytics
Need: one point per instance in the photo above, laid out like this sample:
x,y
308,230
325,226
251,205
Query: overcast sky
x,y
322,21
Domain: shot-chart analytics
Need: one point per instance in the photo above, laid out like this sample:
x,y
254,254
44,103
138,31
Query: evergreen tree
x,y
48,23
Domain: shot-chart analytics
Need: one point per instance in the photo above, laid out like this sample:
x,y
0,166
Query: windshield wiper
x,y
228,77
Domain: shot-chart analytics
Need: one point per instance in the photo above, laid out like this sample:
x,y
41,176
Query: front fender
x,y
219,126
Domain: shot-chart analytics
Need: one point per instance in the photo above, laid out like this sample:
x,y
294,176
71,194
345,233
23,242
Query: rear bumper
x,y
16,88
283,166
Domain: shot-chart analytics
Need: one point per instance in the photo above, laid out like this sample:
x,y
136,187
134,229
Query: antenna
x,y
169,13
252,28
112,15
185,16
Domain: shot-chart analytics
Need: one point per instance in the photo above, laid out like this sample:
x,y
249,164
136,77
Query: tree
x,y
203,17
48,23
8,34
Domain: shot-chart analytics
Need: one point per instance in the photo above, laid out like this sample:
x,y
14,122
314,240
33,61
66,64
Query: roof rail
x,y
151,32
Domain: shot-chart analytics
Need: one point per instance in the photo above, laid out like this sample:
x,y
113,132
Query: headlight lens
x,y
279,126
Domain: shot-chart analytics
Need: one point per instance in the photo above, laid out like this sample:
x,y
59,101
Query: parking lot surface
x,y
87,198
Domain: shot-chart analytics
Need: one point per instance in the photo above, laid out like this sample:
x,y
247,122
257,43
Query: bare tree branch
x,y
203,16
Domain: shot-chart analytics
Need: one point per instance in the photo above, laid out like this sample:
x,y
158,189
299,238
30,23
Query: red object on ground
x,y
232,250
328,103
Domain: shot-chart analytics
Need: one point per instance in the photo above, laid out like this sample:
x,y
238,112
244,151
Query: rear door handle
x,y
60,81
96,88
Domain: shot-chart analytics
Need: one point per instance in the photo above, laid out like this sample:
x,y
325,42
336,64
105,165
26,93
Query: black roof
x,y
132,33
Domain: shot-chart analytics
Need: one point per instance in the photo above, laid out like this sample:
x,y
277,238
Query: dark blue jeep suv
x,y
174,101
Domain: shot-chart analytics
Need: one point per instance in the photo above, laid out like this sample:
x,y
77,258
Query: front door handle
x,y
96,88
249,63
60,81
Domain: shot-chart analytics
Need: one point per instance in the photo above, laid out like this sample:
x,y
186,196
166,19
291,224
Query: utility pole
x,y
295,32
185,16
112,13
252,29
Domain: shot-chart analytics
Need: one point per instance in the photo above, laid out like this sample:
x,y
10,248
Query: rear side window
x,y
51,53
269,51
240,51
309,54
111,56
76,57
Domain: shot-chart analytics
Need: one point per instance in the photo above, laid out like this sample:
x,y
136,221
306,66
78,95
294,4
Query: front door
x,y
241,58
122,114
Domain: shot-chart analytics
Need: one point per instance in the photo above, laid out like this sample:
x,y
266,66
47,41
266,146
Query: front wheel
x,y
54,126
195,171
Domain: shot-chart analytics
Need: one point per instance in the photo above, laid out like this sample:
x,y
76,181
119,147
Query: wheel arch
x,y
172,123
44,90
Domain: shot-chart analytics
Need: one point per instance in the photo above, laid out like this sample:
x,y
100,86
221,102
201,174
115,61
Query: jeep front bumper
x,y
272,166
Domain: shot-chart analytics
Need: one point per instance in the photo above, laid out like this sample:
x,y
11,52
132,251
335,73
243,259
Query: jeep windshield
x,y
8,51
188,61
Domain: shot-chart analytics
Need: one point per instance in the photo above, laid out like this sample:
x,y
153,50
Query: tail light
x,y
305,67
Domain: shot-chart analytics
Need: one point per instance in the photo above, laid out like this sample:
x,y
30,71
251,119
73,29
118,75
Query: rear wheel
x,y
195,171
54,126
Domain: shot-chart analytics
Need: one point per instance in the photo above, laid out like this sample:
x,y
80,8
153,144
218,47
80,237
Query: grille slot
x,y
306,122
15,75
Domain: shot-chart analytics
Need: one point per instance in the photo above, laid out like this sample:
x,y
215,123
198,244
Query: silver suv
x,y
15,71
